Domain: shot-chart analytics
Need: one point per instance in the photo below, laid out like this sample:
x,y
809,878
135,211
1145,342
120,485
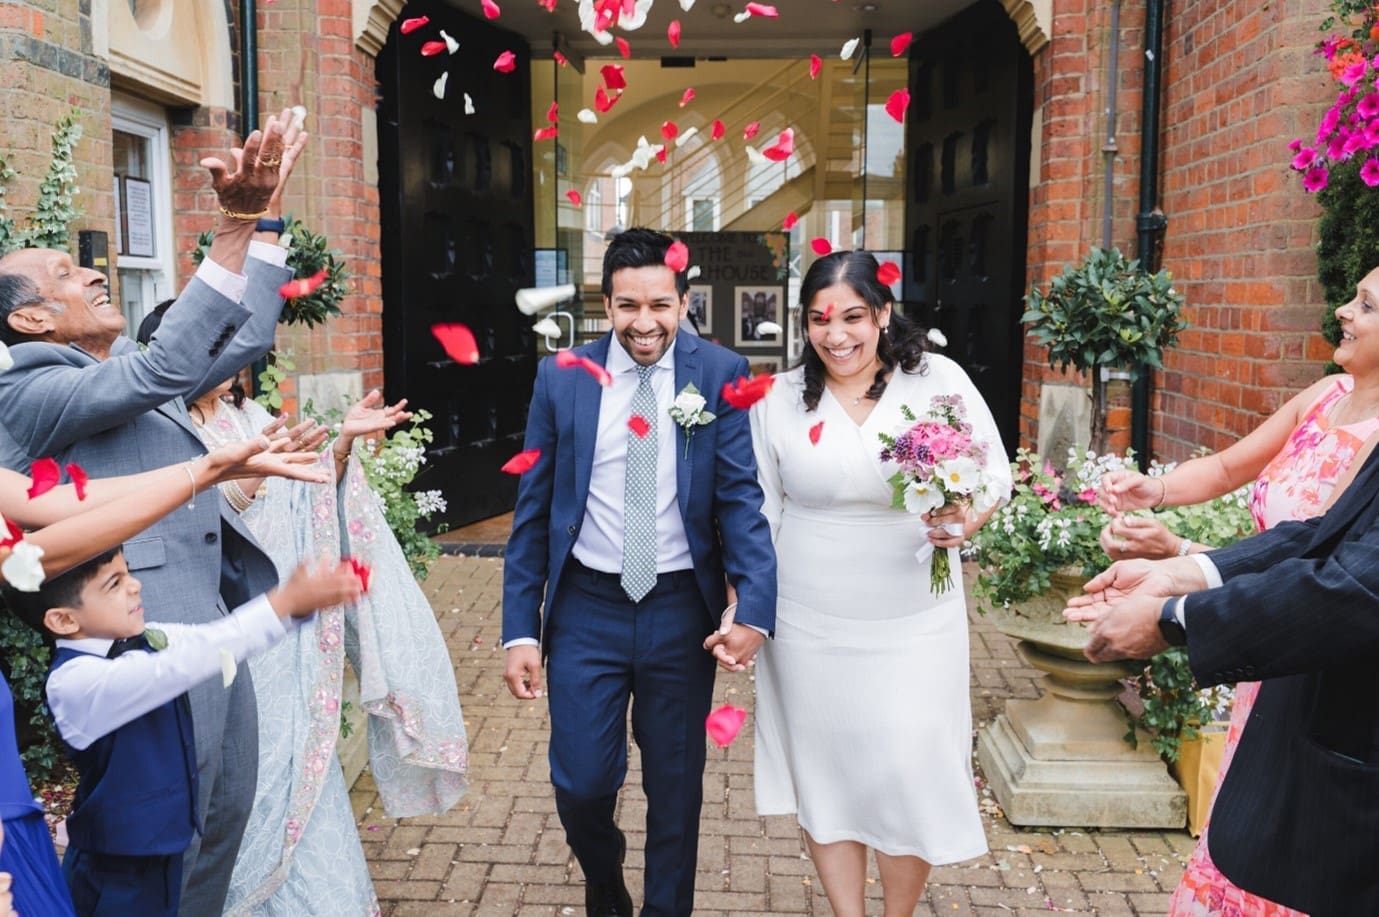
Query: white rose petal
x,y
742,16
438,87
693,272
588,116
686,5
848,47
23,569
468,104
451,44
936,338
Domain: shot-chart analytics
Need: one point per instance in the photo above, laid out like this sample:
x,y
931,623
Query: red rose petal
x,y
560,59
491,10
789,222
16,535
603,102
575,197
522,462
45,475
815,65
669,130
613,76
623,47
550,8
750,130
677,256
458,342
432,48
505,62
361,571
661,154
888,273
745,392
761,9
821,246
782,148
568,359
411,25
687,98
716,130
815,432
900,42
724,724
638,425
78,476
553,113
673,33
545,133
828,311
303,285
897,103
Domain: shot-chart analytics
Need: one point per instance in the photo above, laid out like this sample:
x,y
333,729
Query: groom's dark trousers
x,y
650,652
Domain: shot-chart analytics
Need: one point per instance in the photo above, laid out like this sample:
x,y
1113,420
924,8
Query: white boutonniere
x,y
688,411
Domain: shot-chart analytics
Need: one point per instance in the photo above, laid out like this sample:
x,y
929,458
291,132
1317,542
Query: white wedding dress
x,y
863,717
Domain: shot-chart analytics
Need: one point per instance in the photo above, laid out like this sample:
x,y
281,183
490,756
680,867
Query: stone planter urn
x,y
1062,760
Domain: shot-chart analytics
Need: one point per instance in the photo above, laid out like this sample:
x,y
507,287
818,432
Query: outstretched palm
x,y
370,415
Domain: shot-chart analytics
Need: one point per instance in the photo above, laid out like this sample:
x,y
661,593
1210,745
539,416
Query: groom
x,y
626,527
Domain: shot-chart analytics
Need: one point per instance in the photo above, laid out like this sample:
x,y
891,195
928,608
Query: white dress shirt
x,y
1213,578
232,285
92,696
600,539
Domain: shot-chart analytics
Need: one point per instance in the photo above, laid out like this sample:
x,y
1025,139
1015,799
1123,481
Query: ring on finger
x,y
275,161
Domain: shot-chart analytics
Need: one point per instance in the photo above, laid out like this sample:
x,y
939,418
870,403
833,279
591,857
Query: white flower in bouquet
x,y
959,475
923,497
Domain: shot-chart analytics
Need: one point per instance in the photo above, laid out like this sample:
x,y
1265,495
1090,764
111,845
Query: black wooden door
x,y
966,220
457,239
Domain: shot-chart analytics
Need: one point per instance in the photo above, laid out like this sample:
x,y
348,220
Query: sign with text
x,y
742,283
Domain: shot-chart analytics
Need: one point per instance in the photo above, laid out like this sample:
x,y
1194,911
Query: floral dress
x,y
1294,485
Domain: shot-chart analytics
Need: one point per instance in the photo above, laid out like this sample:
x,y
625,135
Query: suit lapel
x,y
1357,497
176,411
687,370
585,397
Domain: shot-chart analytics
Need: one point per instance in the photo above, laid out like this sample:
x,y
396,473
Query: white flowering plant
x,y
391,464
688,411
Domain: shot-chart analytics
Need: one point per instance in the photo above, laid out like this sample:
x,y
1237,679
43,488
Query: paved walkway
x,y
502,851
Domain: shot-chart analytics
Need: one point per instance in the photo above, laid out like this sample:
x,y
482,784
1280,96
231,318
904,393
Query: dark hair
x,y
16,292
61,591
149,327
638,247
901,344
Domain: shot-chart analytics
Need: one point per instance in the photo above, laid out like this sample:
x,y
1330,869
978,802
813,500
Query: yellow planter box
x,y
1199,763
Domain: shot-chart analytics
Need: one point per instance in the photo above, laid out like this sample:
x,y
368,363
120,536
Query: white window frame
x,y
149,121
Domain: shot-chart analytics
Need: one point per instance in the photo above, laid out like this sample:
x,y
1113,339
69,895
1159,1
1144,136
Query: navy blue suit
x,y
1297,818
603,650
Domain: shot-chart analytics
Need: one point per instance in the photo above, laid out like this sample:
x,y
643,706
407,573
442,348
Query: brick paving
x,y
501,851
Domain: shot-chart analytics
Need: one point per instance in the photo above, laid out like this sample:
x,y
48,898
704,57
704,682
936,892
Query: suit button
x,y
211,538
570,529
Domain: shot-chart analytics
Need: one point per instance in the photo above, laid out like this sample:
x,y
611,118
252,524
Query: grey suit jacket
x,y
126,414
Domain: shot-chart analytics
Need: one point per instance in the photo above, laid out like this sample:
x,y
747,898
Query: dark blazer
x,y
716,487
1297,818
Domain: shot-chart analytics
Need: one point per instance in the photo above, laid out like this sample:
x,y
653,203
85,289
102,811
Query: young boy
x,y
117,693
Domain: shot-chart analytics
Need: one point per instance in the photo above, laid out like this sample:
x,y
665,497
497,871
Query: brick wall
x,y
1240,82
47,67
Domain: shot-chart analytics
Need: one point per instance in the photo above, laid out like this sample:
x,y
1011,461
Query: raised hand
x,y
245,188
313,586
264,457
293,142
369,416
306,436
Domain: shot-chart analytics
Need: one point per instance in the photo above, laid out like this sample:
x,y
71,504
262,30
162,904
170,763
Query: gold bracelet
x,y
1163,492
234,495
191,477
336,452
245,217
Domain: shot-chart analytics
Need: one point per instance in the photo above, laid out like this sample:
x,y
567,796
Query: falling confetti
x,y
782,148
553,113
458,342
677,256
613,76
828,311
16,535
716,130
505,62
587,116
522,462
411,25
638,425
897,103
568,359
623,47
815,432
361,572
669,130
545,133
685,136
451,44
821,246
761,9
575,197
789,222
849,46
432,48
724,724
673,33
750,130
78,477
937,337
468,104
745,392
303,285
900,42
687,98
45,474
603,101
438,87
560,59
888,273
491,9
816,64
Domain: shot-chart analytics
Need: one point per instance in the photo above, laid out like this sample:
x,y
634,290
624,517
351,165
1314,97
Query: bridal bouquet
x,y
940,464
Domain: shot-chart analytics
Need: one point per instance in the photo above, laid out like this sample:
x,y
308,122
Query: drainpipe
x,y
249,106
1109,148
1151,222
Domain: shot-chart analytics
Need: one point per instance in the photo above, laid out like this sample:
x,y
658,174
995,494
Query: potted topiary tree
x,y
1105,312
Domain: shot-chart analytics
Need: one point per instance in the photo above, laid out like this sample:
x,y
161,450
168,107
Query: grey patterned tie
x,y
639,495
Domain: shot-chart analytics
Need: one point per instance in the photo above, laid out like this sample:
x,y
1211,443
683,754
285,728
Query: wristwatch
x,y
266,225
1169,627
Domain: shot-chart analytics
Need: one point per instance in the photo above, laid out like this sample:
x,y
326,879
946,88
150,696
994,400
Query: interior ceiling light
x,y
867,7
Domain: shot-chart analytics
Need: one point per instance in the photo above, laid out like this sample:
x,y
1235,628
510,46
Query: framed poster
x,y
701,307
753,306
138,201
759,365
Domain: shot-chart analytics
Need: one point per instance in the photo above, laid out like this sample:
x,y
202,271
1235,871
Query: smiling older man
x,y
82,392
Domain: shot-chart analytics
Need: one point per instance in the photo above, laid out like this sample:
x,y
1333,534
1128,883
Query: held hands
x,y
734,645
315,585
522,672
1127,537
